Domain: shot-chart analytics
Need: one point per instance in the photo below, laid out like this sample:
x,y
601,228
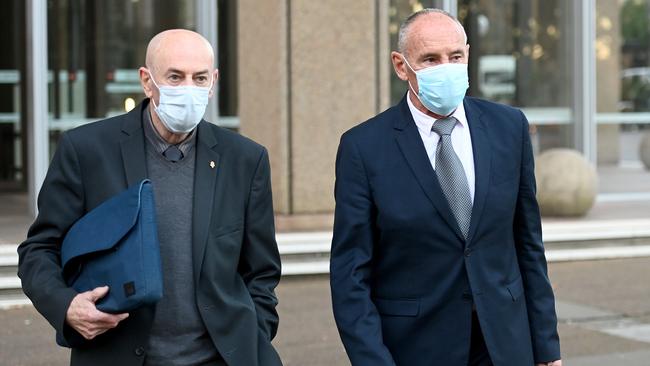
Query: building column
x,y
309,70
608,61
584,72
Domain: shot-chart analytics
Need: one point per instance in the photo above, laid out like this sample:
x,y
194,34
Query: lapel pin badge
x,y
212,164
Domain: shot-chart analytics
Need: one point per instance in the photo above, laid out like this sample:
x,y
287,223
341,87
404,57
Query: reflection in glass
x,y
95,50
520,55
13,161
623,94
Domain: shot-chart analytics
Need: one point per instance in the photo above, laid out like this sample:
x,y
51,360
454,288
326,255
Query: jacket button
x,y
139,351
468,252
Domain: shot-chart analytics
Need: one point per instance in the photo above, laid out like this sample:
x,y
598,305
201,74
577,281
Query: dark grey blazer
x,y
236,260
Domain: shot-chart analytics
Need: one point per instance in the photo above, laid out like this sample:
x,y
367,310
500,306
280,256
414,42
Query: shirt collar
x,y
425,122
154,138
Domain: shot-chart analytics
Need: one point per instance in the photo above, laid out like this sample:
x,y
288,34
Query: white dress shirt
x,y
461,139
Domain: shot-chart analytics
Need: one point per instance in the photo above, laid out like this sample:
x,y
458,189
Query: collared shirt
x,y
159,143
461,139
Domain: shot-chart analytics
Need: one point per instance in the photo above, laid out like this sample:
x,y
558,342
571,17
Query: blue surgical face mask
x,y
181,108
441,88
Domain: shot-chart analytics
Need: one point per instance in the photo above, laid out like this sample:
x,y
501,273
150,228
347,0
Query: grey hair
x,y
404,27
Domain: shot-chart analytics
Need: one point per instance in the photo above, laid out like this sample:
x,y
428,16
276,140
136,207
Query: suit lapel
x,y
132,146
412,147
205,177
482,158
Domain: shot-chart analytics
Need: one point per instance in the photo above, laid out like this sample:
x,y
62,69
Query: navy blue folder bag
x,y
116,245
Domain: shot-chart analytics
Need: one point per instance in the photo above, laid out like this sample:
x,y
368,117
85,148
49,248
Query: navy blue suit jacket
x,y
403,278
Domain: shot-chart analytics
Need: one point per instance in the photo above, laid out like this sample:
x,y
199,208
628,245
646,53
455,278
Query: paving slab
x,y
639,358
576,342
568,312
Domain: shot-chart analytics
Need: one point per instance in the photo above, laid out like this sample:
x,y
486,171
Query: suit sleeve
x,y
60,204
260,261
532,261
356,316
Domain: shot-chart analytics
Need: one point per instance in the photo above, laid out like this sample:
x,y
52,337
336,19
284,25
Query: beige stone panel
x,y
384,64
333,87
263,86
304,222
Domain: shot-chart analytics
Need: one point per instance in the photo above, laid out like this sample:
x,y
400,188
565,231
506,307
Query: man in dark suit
x,y
437,255
215,220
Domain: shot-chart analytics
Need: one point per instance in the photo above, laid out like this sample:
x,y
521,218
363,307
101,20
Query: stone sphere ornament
x,y
567,183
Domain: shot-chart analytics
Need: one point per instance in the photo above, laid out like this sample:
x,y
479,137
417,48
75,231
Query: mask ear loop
x,y
211,83
155,107
157,87
407,64
409,81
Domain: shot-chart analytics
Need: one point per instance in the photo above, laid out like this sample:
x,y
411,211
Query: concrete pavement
x,y
603,307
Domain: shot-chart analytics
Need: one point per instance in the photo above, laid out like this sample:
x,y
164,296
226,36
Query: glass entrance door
x,y
95,50
12,124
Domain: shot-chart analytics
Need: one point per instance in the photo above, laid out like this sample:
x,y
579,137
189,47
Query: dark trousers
x,y
478,352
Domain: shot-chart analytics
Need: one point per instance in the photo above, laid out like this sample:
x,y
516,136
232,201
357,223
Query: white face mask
x,y
181,108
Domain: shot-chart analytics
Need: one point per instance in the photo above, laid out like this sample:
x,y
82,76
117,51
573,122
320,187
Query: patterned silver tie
x,y
451,175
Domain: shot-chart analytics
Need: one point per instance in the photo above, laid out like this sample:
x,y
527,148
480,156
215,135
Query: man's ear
x,y
399,65
215,78
145,78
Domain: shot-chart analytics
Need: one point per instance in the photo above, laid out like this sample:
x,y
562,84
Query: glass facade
x,y
525,53
623,93
13,166
520,54
95,49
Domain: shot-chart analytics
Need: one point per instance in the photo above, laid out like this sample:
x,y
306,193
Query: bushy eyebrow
x,y
177,71
435,55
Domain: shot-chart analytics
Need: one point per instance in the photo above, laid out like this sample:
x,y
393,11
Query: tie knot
x,y
173,154
444,126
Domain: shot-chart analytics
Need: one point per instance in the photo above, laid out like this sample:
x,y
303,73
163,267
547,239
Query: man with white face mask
x,y
437,254
214,212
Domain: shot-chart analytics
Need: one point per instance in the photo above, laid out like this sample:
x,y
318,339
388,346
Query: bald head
x,y
428,20
176,43
178,57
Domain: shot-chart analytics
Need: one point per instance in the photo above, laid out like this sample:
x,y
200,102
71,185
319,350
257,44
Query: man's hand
x,y
84,317
554,363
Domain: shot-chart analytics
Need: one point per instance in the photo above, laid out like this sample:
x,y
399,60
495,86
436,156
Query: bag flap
x,y
104,226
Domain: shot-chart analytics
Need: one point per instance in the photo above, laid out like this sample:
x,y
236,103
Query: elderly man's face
x,y
178,58
432,39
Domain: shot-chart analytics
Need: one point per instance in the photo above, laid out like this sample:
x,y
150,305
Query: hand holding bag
x,y
116,245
